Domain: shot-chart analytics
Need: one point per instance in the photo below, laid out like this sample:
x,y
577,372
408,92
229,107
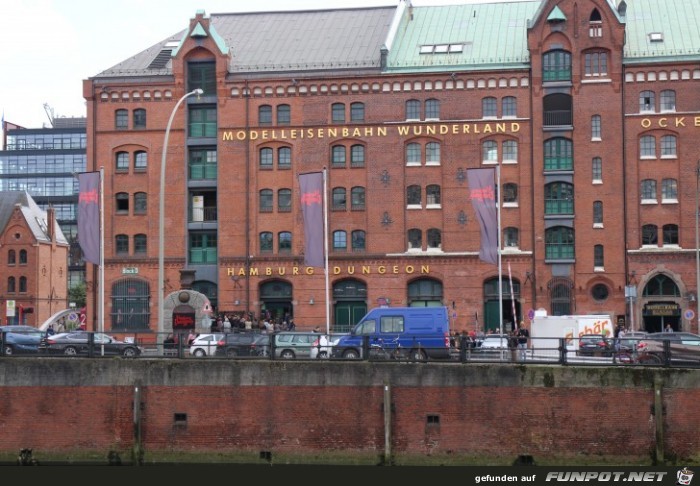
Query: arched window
x,y
509,107
140,203
139,118
284,115
11,257
338,113
11,289
510,237
413,154
357,198
510,193
284,242
559,243
558,154
668,100
595,127
284,158
647,146
140,160
510,151
121,202
434,238
647,102
23,257
668,146
415,239
121,119
265,115
597,169
598,256
338,156
661,285
266,242
23,285
650,235
432,195
560,297
425,292
670,234
595,24
266,156
357,156
140,244
121,244
489,107
432,153
357,112
412,110
284,200
413,195
559,198
432,109
340,240
489,152
265,200
339,196
669,190
358,240
556,66
598,213
122,161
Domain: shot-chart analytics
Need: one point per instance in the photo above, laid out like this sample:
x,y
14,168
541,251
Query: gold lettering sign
x,y
372,131
335,270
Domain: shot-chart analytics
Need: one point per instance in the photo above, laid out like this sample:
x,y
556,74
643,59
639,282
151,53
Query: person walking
x,y
523,337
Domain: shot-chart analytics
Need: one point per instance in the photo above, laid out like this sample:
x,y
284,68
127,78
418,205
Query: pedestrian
x,y
668,328
227,324
317,329
523,338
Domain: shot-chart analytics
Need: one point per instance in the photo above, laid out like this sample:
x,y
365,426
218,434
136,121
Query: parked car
x,y
493,342
234,344
292,345
18,339
322,348
683,347
205,345
595,345
77,343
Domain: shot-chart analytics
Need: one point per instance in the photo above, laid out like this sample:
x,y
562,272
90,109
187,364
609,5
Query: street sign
x,y
689,314
531,314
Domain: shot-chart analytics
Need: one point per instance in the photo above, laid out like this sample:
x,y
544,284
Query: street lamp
x,y
161,223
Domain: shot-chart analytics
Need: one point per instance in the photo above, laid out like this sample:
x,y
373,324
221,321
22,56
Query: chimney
x,y
51,223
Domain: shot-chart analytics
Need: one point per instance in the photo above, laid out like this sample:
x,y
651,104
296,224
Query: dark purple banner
x,y
482,193
311,185
89,216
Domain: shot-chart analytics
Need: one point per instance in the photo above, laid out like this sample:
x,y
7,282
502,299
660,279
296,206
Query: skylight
x,y
441,48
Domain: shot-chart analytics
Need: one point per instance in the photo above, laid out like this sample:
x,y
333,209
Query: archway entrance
x,y
276,300
661,304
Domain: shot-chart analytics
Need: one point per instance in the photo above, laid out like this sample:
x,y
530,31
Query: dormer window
x,y
595,24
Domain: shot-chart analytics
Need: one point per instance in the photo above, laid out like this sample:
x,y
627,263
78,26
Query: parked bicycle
x,y
379,351
637,354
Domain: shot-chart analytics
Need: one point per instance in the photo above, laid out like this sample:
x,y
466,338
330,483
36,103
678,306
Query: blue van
x,y
416,333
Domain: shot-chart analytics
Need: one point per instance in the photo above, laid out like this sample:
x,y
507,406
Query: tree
x,y
78,294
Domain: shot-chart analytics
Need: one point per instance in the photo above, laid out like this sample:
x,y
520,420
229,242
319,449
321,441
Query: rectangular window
x,y
597,169
203,248
202,164
596,64
595,127
202,121
202,75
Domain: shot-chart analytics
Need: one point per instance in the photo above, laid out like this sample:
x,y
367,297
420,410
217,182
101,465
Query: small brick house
x,y
33,261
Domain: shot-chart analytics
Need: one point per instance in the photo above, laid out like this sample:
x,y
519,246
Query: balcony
x,y
557,118
203,215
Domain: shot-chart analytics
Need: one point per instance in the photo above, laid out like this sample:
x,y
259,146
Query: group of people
x,y
240,322
518,339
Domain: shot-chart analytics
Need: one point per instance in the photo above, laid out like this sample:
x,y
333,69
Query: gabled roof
x,y
678,22
283,41
36,218
492,35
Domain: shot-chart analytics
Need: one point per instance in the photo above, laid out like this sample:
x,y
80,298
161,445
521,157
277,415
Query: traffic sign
x,y
689,314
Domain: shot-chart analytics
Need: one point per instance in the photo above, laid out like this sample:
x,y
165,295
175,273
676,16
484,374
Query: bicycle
x,y
378,351
636,355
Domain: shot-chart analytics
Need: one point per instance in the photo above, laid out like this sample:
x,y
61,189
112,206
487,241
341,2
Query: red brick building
x,y
34,261
588,110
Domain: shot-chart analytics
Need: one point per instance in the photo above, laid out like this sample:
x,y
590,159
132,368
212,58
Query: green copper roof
x,y
677,22
556,15
492,35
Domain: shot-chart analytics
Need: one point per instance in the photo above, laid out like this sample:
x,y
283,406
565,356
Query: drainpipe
x,y
387,425
246,93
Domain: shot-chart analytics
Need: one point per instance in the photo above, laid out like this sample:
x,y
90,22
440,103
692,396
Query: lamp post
x,y
161,222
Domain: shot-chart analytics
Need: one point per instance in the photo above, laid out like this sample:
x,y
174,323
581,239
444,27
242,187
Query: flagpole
x,y
325,249
101,303
500,265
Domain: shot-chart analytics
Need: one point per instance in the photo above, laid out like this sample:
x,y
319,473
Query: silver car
x,y
293,345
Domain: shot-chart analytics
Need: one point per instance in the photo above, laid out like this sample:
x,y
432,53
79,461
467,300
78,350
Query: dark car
x,y
683,347
243,344
77,343
20,339
595,345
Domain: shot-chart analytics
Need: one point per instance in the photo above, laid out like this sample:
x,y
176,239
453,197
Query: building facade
x,y
585,111
43,162
33,258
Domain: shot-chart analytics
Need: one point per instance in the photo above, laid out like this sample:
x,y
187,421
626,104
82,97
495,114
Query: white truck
x,y
545,331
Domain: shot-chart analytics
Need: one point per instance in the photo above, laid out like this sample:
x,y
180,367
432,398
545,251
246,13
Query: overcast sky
x,y
48,47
